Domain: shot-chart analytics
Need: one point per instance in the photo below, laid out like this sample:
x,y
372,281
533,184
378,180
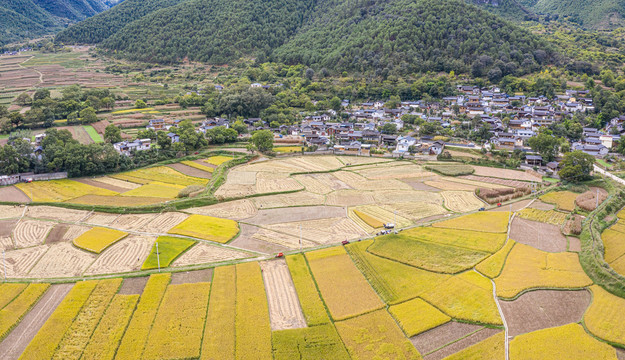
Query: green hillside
x,y
101,26
595,14
509,9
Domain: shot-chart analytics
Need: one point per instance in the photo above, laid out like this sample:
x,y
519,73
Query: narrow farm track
x,y
15,343
284,309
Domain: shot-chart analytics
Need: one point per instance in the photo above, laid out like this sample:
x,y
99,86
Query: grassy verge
x,y
93,134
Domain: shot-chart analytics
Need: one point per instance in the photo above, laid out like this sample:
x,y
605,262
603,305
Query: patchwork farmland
x,y
378,258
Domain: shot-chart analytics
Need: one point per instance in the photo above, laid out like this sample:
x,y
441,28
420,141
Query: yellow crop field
x,y
97,239
495,222
312,306
155,190
562,342
52,332
492,266
316,342
369,220
375,336
347,295
162,174
8,292
179,323
253,332
79,333
493,348
461,201
614,244
60,190
169,248
287,149
218,342
564,200
207,228
416,316
11,314
393,281
546,216
108,334
604,318
468,296
621,214
195,165
474,240
217,160
619,226
528,268
129,111
136,335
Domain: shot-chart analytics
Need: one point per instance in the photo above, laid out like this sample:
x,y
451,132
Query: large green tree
x,y
546,145
576,166
263,140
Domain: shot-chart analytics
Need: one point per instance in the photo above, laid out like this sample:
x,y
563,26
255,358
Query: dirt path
x,y
14,344
33,69
284,308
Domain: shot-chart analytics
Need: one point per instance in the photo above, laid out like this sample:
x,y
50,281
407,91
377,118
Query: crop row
x,y
11,314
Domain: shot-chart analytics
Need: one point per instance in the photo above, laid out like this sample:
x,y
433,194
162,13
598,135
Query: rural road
x,y
608,174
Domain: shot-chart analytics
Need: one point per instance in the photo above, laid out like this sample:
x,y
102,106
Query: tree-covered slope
x,y
508,9
213,31
414,35
596,14
101,26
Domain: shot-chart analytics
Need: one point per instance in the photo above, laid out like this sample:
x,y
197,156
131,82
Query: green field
x,y
97,138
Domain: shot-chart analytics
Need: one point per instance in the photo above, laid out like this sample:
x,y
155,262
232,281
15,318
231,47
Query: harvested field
x,y
371,217
516,206
491,348
322,231
103,185
282,215
507,174
471,340
6,243
498,181
588,201
13,194
19,262
9,211
461,201
123,184
288,241
284,308
101,219
360,160
417,210
406,196
133,222
541,309
313,185
574,244
31,233
55,213
127,201
359,182
7,226
331,181
62,260
539,205
235,210
545,237
449,185
349,198
240,177
57,233
401,171
190,171
247,240
421,186
302,198
17,340
133,286
204,254
163,222
440,336
275,182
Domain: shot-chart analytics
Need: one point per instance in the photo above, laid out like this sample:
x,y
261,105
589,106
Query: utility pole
x,y
4,257
597,205
158,258
300,237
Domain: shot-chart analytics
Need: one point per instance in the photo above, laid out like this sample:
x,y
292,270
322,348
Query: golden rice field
x,y
207,228
493,265
564,200
547,216
193,164
604,318
496,222
287,149
369,220
491,348
60,190
416,316
312,305
155,189
217,160
161,174
97,239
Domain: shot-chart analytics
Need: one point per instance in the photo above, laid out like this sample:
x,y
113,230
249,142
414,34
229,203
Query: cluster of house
x,y
16,52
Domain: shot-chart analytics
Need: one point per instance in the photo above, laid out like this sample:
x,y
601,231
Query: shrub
x,y
190,190
494,196
588,200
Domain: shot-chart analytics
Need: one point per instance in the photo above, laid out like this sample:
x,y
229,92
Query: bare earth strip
x,y
123,184
13,194
15,343
290,241
246,240
541,309
192,277
103,185
282,215
7,226
203,254
190,171
235,210
442,335
462,344
542,236
542,205
20,261
284,307
62,260
57,233
123,256
133,286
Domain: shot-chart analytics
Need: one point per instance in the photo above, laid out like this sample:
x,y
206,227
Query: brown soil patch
x,y
284,307
282,215
17,340
192,277
57,233
542,309
545,237
420,186
541,205
101,185
190,171
442,335
6,227
574,244
515,206
13,194
133,286
620,354
245,240
203,253
462,344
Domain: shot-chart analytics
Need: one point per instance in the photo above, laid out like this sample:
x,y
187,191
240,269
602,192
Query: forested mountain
x,y
509,9
390,36
20,19
101,26
592,14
